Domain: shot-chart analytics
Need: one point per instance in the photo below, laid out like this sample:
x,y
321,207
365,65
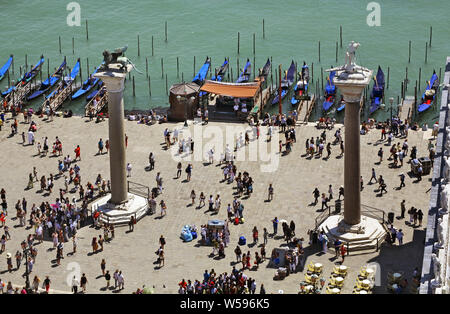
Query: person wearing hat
x,y
9,261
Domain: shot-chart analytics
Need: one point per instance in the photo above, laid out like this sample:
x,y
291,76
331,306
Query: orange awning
x,y
237,90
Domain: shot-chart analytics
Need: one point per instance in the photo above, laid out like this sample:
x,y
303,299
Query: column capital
x,y
113,77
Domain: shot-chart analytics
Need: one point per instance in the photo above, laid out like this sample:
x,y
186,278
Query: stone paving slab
x,y
133,253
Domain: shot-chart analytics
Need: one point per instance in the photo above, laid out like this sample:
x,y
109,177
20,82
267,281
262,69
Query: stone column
x,y
352,169
114,82
352,93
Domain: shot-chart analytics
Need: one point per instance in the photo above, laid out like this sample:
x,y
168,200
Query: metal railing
x,y
323,216
373,212
369,211
138,189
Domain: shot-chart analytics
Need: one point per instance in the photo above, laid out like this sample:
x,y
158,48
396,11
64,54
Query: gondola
x,y
245,74
330,92
301,88
199,79
49,82
27,77
221,72
5,68
95,92
342,105
66,81
220,75
286,83
430,93
265,71
377,91
87,85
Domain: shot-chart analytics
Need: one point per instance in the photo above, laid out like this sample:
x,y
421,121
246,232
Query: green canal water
x,y
203,28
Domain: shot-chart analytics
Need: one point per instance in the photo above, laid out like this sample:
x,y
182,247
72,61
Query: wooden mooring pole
x,y
134,88
167,86
388,78
426,52
409,55
149,87
431,34
139,46
152,48
73,45
178,68
87,30
238,42
319,50
146,67
336,52
264,32
59,38
165,29
420,76
162,68
340,34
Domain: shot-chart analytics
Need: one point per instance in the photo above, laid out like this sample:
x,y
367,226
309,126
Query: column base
x,y
117,214
367,235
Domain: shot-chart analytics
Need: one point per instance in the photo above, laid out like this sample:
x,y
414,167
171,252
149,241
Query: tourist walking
x,y
107,278
402,180
275,225
151,160
270,192
402,209
75,285
46,284
129,169
83,283
103,266
163,208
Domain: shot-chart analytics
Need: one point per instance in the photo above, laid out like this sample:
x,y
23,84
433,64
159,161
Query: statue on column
x,y
436,271
350,57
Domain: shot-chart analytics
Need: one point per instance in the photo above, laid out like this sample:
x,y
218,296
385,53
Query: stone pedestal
x,y
366,235
136,206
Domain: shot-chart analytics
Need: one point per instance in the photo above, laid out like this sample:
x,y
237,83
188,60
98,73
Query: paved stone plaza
x,y
294,180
